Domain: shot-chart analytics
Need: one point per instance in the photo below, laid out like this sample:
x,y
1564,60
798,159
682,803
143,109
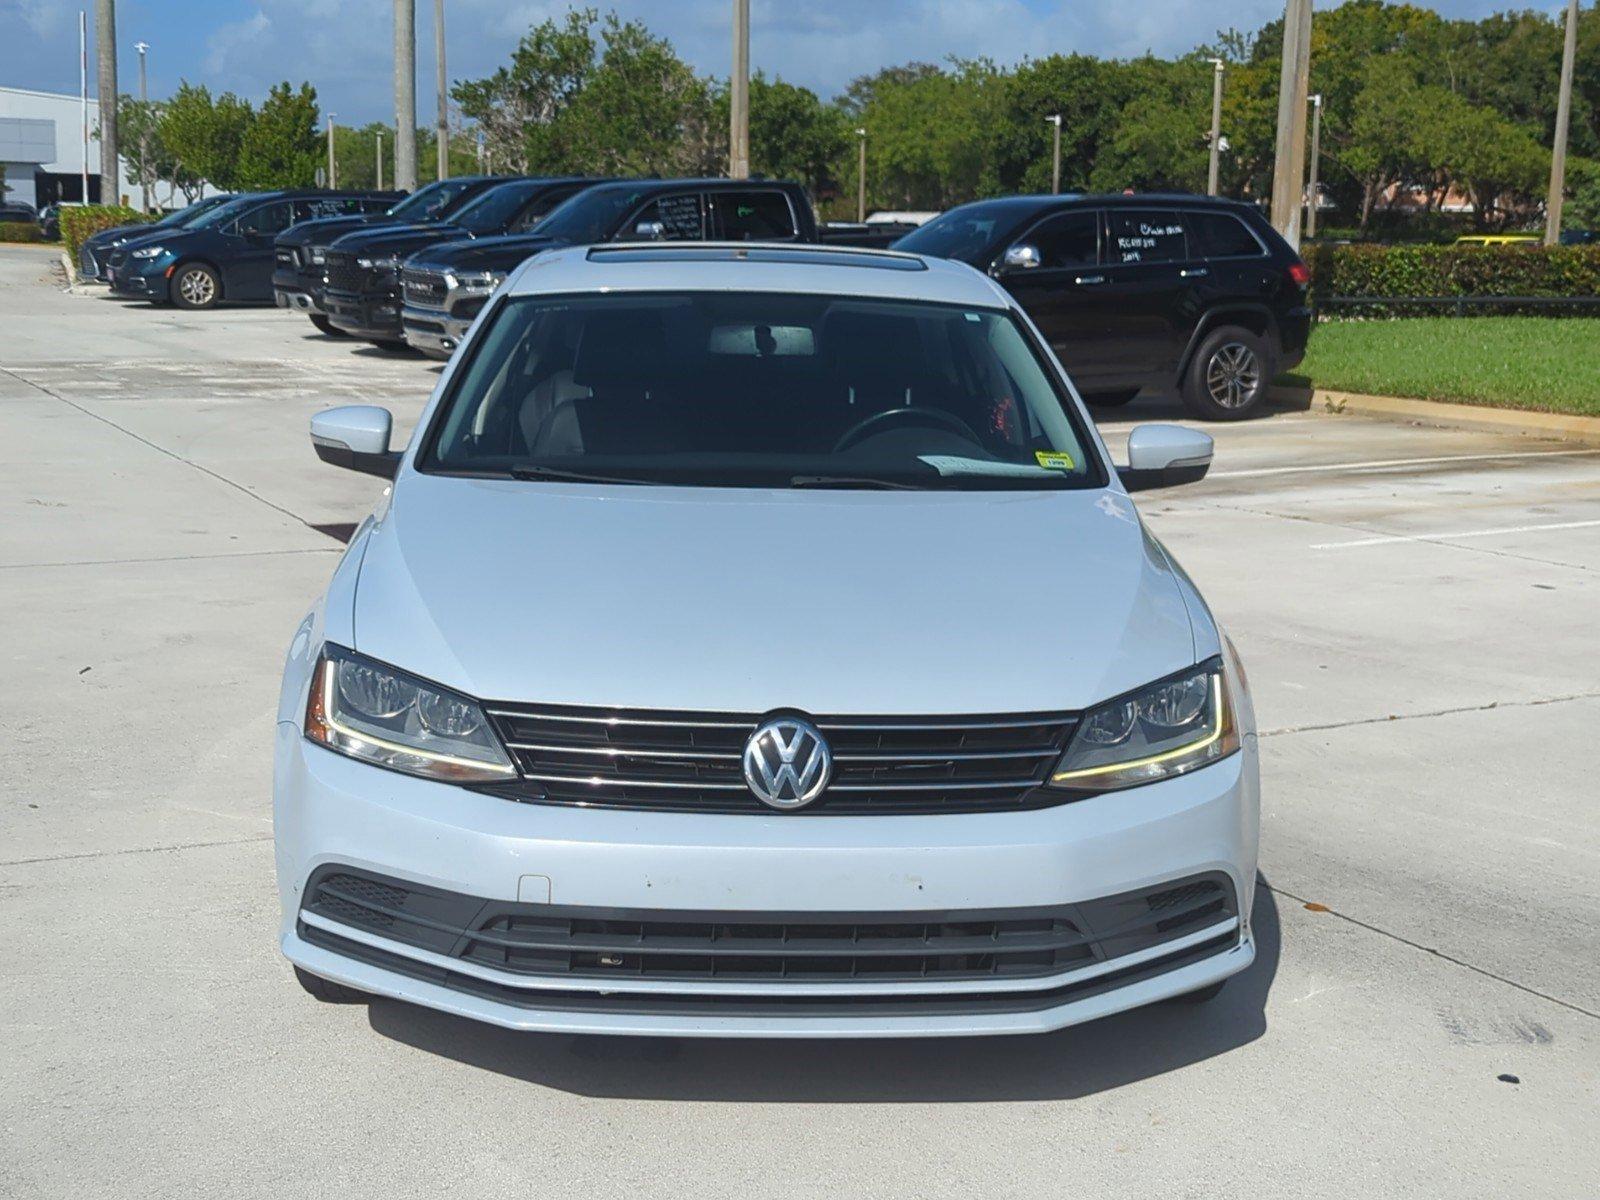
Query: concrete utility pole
x,y
442,135
739,95
1055,154
1289,170
1313,193
405,95
83,98
861,175
1214,175
1558,157
144,130
105,39
333,175
380,162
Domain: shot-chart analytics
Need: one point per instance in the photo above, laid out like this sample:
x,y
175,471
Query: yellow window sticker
x,y
1054,460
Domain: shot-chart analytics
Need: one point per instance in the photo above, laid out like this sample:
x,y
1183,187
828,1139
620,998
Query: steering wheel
x,y
917,415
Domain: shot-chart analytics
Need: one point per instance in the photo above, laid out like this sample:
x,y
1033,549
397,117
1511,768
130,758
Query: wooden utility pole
x,y
1214,175
105,39
1558,156
405,95
1312,190
739,95
1289,169
442,134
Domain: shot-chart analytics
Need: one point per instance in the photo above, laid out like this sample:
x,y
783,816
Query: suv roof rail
x,y
803,252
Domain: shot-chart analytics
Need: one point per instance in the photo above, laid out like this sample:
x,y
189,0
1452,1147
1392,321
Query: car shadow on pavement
x,y
1068,1064
1290,394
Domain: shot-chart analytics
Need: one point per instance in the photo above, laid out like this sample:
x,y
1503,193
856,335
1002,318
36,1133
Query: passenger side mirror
x,y
650,231
356,437
1022,257
1162,456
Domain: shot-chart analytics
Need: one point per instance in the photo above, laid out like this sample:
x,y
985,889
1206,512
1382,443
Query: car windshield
x,y
427,203
492,211
963,233
590,216
758,390
222,213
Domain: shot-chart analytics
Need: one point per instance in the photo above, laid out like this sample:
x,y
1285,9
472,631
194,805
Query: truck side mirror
x,y
356,437
650,231
1162,456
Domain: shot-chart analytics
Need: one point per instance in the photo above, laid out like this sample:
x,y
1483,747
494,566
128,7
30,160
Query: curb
x,y
1561,426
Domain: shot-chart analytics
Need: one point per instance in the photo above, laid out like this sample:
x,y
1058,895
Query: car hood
x,y
499,253
322,230
105,237
746,601
395,239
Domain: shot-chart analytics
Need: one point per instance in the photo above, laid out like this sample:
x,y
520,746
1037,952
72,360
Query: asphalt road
x,y
1418,611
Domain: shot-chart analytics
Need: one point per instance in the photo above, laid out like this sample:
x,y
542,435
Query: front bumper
x,y
140,281
433,331
332,810
375,317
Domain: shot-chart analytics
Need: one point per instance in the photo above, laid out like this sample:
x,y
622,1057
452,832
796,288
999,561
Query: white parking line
x,y
1377,464
1391,539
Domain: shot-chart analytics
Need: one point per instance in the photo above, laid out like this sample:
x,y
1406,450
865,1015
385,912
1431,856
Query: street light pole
x,y
1312,192
380,162
144,130
861,175
1289,168
739,94
405,95
333,177
1055,154
1214,175
442,136
1558,156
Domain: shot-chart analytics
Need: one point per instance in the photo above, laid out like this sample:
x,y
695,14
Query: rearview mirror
x,y
650,231
1022,257
1162,456
356,437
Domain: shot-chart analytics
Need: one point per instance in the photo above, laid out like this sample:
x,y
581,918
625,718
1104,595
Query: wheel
x,y
1111,399
195,285
1229,377
1201,995
328,991
326,326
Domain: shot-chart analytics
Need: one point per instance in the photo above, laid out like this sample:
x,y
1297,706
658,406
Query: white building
x,y
42,150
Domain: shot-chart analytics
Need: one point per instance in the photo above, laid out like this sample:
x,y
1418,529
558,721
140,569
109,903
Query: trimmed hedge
x,y
1451,272
20,231
80,221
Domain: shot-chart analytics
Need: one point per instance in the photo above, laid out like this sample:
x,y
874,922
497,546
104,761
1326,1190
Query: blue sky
x,y
344,47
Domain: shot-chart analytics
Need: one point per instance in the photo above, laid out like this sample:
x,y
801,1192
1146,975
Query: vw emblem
x,y
787,762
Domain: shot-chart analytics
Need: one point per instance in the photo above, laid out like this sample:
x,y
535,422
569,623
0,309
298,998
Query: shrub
x,y
20,231
80,221
1385,273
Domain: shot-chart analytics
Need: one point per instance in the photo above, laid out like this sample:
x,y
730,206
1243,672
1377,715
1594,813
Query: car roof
x,y
1040,201
756,267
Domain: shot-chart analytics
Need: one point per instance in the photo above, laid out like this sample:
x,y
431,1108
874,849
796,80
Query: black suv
x,y
361,292
225,254
301,250
1133,292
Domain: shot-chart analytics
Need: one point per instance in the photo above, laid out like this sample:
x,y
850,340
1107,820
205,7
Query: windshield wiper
x,y
852,481
558,475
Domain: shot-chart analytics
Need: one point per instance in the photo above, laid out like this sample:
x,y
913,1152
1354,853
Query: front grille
x,y
425,288
553,941
692,762
87,262
343,275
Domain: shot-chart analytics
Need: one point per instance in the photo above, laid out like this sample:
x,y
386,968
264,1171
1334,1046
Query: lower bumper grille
x,y
344,275
510,937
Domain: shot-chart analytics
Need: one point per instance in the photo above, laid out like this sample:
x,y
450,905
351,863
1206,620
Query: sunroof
x,y
874,260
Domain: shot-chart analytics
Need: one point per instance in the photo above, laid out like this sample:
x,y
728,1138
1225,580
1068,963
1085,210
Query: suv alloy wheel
x,y
196,285
1229,377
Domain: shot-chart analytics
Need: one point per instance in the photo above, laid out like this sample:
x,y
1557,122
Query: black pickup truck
x,y
361,290
301,249
445,285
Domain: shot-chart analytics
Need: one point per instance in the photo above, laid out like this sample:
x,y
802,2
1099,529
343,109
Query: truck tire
x,y
1230,375
195,286
326,326
328,991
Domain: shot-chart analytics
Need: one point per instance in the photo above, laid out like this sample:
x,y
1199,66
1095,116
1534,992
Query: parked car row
x,y
1179,293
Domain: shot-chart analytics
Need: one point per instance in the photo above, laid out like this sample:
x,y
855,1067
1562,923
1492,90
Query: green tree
x,y
281,147
203,137
793,134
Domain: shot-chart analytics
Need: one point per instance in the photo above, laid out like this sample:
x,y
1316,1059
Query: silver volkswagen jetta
x,y
761,641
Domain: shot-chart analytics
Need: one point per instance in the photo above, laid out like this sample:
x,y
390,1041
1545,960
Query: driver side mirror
x,y
650,231
1024,256
356,437
1163,456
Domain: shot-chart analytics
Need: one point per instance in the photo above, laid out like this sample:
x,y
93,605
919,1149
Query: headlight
x,y
386,263
318,257
147,252
1166,729
380,715
481,281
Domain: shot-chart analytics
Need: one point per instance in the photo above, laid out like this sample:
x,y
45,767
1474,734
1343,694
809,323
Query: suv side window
x,y
542,207
266,220
1222,235
1146,237
754,216
1069,239
682,218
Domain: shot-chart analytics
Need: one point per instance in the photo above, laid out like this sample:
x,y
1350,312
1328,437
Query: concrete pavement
x,y
1417,611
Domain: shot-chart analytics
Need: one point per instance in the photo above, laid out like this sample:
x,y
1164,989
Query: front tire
x,y
328,991
326,326
195,286
1230,375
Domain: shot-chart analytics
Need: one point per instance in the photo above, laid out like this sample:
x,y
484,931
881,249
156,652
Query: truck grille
x,y
692,762
821,947
87,263
422,287
343,275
